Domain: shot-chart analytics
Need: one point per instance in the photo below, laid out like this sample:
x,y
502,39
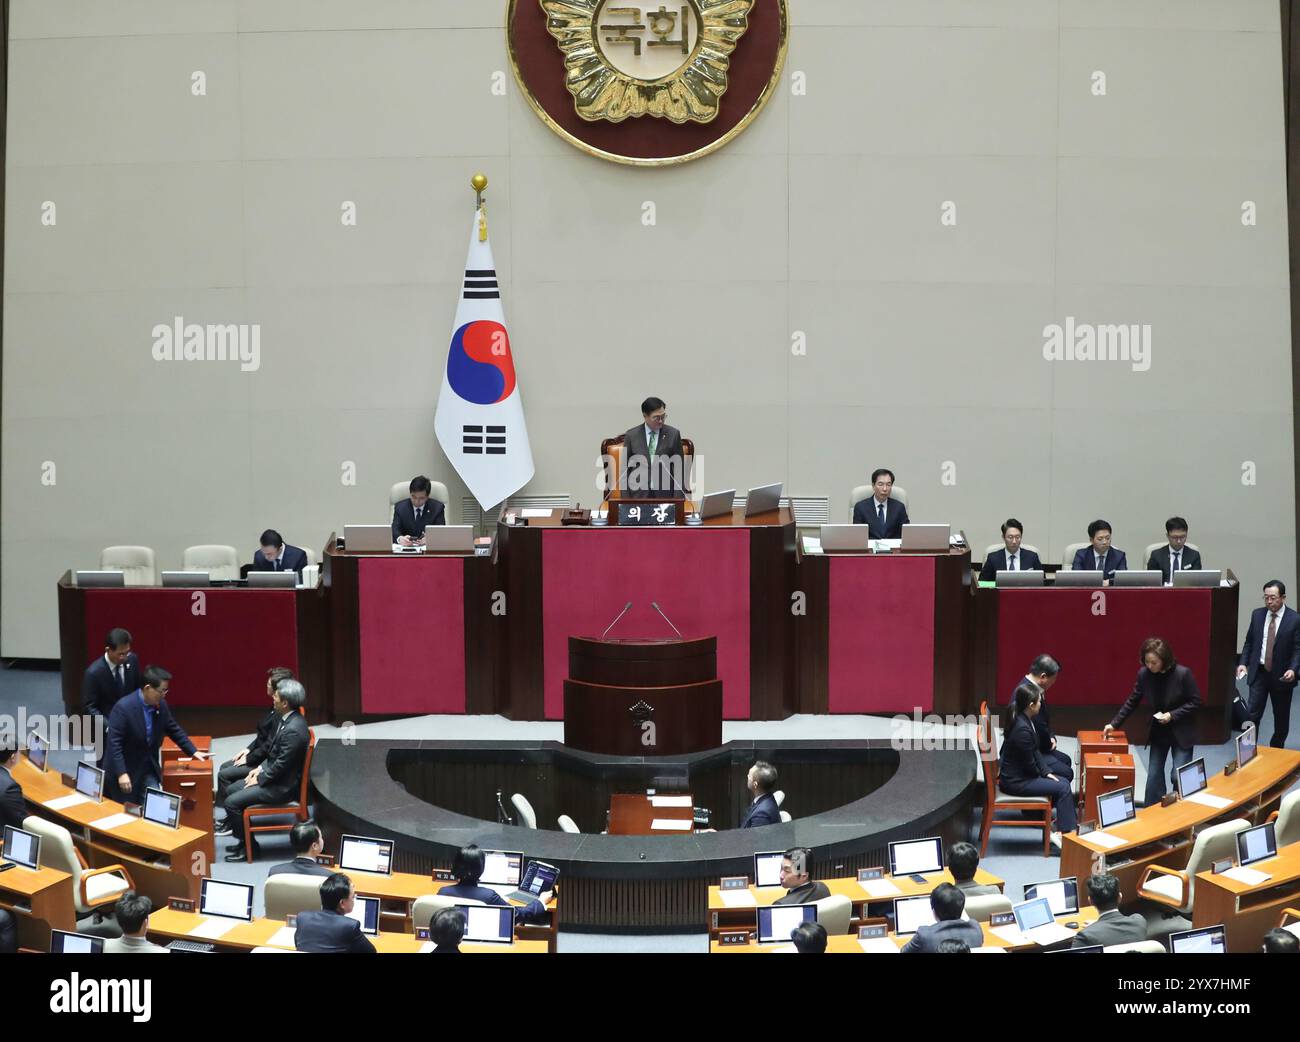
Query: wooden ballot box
x,y
1103,773
1096,742
191,780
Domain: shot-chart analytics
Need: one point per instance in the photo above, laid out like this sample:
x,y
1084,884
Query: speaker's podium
x,y
643,697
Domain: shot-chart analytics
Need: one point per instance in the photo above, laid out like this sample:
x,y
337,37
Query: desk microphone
x,y
619,616
655,606
502,817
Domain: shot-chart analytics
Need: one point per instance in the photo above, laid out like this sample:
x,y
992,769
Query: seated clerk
x,y
330,931
884,517
1176,555
1012,557
1100,556
800,887
947,903
1045,671
1112,925
809,938
410,516
232,772
276,555
1023,772
307,843
446,928
468,869
963,861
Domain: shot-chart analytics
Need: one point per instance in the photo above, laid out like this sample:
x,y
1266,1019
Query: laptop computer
x,y
186,579
1208,940
1035,921
845,537
1198,577
1141,577
777,922
538,883
715,504
489,924
1061,894
1079,578
762,499
1021,577
502,870
99,578
926,537
368,537
278,580
449,538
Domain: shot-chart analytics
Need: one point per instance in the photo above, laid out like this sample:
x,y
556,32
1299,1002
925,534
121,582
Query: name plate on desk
x,y
180,904
733,883
647,513
865,874
869,933
1002,918
443,875
726,937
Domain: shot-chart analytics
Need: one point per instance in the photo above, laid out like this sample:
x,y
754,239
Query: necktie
x,y
1174,567
880,516
1268,641
1100,559
121,680
1011,562
654,441
148,725
277,564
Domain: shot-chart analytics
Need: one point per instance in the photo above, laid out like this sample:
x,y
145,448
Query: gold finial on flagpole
x,y
479,182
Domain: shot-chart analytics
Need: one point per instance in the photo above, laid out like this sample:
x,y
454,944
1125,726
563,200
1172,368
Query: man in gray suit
x,y
1112,925
653,462
948,903
963,861
132,914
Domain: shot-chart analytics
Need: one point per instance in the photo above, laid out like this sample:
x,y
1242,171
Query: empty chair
x,y
220,562
567,824
1067,559
785,816
527,817
835,913
312,556
136,563
982,907
94,890
1142,947
1286,820
779,796
288,894
1173,889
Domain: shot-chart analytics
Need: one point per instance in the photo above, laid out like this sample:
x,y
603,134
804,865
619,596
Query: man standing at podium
x,y
653,463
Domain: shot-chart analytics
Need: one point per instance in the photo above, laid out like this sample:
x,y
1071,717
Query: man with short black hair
x,y
796,877
410,516
446,929
947,903
1100,556
1176,555
1279,941
1112,925
136,727
331,931
132,914
307,842
111,676
883,516
236,770
762,810
809,938
654,459
963,861
1270,661
1013,557
1044,671
276,555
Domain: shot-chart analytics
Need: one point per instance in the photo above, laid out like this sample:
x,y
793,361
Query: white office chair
x,y
527,816
1174,889
861,492
220,562
136,563
779,796
312,556
287,894
982,907
402,490
1286,826
785,816
835,913
94,890
1153,547
1140,947
1067,558
429,905
567,824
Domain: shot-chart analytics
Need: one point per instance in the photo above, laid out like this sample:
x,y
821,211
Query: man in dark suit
x,y
796,877
1012,558
330,931
884,517
307,842
136,727
1112,925
278,779
276,555
1043,673
947,903
809,938
13,811
762,809
653,458
1176,555
963,862
1270,660
1100,556
236,770
410,516
114,674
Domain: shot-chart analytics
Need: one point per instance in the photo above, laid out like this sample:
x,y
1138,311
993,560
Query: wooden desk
x,y
191,780
1102,773
1096,742
163,862
41,901
166,925
1248,912
1164,835
723,916
630,814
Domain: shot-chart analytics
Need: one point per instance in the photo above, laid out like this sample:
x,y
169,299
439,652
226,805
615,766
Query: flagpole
x,y
479,182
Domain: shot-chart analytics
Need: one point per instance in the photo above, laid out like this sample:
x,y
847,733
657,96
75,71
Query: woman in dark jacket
x,y
467,867
1175,699
1022,771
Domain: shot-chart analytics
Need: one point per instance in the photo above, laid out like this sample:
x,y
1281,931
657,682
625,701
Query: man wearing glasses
x,y
653,463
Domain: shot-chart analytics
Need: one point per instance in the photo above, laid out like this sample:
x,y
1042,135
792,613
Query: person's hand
x,y
404,540
1108,729
1241,672
124,782
250,779
240,757
1164,718
1288,677
1053,741
1053,777
199,754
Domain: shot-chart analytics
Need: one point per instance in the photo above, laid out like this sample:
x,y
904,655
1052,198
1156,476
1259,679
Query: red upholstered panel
x,y
881,657
219,658
1098,653
700,577
411,612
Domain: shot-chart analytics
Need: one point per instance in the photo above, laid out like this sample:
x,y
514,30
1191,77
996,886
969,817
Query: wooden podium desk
x,y
631,814
1103,773
41,900
1164,835
166,924
192,781
723,916
1248,911
163,862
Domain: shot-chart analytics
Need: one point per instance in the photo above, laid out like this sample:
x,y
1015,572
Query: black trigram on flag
x,y
480,284
479,439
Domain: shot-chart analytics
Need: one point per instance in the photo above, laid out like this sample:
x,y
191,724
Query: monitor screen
x,y
359,854
38,751
162,808
232,900
90,781
365,910
1032,914
64,943
1191,778
488,923
1208,940
1116,807
767,868
916,856
539,878
911,913
22,848
1061,894
502,868
778,922
1246,745
1257,844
